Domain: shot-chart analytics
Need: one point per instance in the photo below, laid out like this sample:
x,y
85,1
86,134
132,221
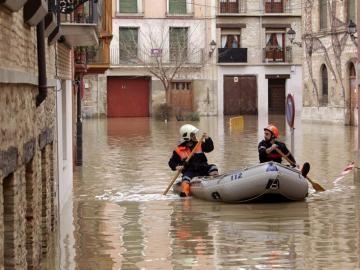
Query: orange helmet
x,y
274,130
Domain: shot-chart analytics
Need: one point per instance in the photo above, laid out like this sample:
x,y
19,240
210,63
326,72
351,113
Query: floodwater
x,y
120,220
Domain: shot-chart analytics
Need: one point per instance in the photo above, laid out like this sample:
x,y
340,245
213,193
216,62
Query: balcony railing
x,y
230,7
232,55
277,54
86,13
95,55
277,7
145,58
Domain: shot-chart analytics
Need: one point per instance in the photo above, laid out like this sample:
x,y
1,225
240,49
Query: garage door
x,y
128,96
240,95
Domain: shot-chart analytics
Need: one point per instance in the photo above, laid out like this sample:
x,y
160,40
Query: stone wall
x,y
333,48
27,201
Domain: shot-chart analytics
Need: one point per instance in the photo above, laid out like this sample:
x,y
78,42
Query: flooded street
x,y
118,219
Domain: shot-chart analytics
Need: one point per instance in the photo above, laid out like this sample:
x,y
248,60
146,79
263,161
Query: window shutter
x,y
351,10
323,14
128,43
177,6
128,6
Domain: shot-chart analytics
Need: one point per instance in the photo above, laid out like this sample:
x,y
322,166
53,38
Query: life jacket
x,y
184,151
275,155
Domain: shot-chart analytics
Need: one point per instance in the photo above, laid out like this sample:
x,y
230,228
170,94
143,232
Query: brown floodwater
x,y
120,220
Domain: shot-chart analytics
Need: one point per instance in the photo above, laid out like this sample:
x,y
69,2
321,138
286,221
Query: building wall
x,y
152,20
254,22
335,52
27,197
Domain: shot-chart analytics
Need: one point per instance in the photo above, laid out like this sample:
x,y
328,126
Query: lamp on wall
x,y
291,35
212,47
352,30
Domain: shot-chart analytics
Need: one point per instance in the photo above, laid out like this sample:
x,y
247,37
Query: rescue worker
x,y
197,165
267,146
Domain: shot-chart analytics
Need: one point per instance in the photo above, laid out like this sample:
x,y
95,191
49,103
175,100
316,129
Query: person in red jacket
x,y
198,164
267,146
267,149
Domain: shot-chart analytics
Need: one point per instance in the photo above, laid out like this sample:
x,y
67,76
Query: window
x,y
324,86
275,44
128,43
230,41
351,10
128,6
177,6
274,6
323,14
178,41
229,6
181,85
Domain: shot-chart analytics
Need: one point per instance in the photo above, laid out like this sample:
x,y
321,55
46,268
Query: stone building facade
x,y
330,60
257,64
28,202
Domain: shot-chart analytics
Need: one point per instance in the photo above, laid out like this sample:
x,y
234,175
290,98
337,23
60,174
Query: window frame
x,y
128,58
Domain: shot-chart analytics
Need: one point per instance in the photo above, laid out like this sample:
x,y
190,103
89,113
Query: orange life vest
x,y
184,151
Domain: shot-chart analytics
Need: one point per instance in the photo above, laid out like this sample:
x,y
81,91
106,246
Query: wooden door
x,y
240,95
181,97
276,96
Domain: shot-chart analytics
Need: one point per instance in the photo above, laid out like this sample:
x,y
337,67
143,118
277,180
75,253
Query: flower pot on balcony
x,y
14,5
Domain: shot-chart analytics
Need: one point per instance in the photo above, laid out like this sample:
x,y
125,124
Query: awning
x,y
80,34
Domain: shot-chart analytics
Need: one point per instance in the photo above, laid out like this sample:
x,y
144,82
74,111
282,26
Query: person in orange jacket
x,y
198,164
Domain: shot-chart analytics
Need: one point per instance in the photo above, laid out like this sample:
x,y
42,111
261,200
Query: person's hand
x,y
179,168
273,146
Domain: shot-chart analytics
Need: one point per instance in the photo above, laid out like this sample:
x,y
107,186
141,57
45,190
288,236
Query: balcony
x,y
149,58
232,55
231,7
80,27
97,59
277,7
277,55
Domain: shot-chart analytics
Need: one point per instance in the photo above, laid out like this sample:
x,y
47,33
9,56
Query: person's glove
x,y
185,163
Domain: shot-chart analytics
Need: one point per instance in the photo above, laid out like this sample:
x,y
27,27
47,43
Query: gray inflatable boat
x,y
266,181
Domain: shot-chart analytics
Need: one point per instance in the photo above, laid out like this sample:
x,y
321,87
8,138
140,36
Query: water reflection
x,y
121,220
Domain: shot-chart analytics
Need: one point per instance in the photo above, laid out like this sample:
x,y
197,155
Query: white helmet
x,y
185,132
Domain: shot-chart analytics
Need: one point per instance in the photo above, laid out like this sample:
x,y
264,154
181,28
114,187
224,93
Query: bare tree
x,y
163,51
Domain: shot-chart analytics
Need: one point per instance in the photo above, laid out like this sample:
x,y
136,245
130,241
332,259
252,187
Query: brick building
x,y
28,203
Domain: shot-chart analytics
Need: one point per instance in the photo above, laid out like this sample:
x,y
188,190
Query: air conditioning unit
x,y
13,5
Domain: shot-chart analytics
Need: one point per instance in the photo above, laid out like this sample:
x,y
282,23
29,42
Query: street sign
x,y
156,52
290,110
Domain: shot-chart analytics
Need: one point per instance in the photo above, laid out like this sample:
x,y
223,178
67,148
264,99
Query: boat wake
x,y
139,197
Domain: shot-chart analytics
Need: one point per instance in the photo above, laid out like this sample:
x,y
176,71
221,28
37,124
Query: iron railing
x,y
232,55
276,54
231,7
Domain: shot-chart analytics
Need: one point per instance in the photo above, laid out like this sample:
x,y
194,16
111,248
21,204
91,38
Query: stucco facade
x,y
329,63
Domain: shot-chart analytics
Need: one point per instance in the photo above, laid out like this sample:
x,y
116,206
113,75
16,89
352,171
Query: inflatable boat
x,y
265,181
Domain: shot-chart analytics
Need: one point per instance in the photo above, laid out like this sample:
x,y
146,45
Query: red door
x,y
128,96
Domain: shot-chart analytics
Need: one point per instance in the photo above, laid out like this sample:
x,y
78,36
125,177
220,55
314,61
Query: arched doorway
x,y
353,92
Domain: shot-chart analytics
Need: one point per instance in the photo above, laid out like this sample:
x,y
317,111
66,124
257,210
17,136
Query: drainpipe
x,y
41,63
357,158
78,125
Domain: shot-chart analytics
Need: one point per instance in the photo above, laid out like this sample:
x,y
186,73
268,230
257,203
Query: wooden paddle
x,y
315,185
187,159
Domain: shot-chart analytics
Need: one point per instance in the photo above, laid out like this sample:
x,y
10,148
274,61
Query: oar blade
x,y
318,187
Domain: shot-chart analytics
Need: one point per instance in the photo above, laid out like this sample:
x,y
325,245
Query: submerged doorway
x,y
276,97
353,93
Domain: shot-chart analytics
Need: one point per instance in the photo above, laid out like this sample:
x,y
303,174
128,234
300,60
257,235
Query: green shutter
x,y
177,6
351,10
128,6
128,38
178,39
323,14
